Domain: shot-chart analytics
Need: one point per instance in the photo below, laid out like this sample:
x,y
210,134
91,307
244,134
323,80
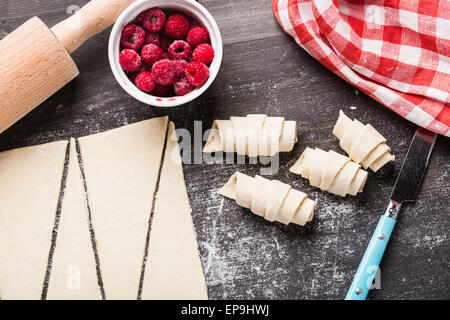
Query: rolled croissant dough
x,y
271,199
363,143
73,275
30,180
330,171
253,135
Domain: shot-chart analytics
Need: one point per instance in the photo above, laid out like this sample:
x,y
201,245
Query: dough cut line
x,y
148,255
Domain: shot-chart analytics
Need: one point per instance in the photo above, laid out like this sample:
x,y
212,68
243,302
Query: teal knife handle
x,y
368,267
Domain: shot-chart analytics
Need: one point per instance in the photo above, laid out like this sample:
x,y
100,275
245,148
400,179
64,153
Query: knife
x,y
405,190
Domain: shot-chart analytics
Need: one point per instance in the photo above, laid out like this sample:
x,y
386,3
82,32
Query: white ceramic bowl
x,y
190,8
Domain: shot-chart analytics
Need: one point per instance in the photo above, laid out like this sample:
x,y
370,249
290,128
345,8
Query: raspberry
x,y
150,54
165,43
145,68
194,23
163,72
182,86
204,53
177,26
133,37
152,20
197,35
179,50
180,66
161,90
132,75
130,60
140,17
197,73
153,38
144,81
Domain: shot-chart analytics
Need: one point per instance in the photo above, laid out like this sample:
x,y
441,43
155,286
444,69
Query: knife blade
x,y
405,190
414,167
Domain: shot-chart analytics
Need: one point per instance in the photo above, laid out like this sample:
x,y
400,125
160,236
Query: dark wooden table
x,y
264,71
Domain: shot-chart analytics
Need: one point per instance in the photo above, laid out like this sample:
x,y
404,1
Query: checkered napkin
x,y
396,51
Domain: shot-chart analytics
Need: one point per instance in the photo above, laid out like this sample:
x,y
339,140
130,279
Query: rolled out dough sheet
x,y
73,275
30,181
173,269
121,168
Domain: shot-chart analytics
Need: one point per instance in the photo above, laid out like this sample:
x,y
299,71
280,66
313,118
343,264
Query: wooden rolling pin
x,y
35,61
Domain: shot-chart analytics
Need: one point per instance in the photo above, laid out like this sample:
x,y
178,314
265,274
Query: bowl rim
x,y
194,9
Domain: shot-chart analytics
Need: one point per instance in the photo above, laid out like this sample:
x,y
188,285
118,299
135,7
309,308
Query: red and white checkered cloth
x,y
396,51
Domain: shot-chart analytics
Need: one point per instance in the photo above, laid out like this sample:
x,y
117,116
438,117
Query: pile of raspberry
x,y
165,55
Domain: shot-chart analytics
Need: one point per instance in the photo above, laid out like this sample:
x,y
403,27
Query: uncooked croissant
x,y
331,171
253,135
271,199
363,143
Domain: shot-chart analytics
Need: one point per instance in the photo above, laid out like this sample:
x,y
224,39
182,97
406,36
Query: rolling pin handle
x,y
93,18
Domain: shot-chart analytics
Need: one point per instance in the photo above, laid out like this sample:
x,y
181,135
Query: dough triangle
x,y
30,183
121,168
173,269
73,275
229,189
214,141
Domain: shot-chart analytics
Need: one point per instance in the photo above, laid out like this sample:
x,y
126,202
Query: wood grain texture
x,y
264,71
93,18
33,66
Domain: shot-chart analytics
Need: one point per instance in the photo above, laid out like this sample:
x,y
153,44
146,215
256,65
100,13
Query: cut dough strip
x,y
253,135
271,199
174,270
73,273
330,171
121,168
363,143
30,183
125,173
